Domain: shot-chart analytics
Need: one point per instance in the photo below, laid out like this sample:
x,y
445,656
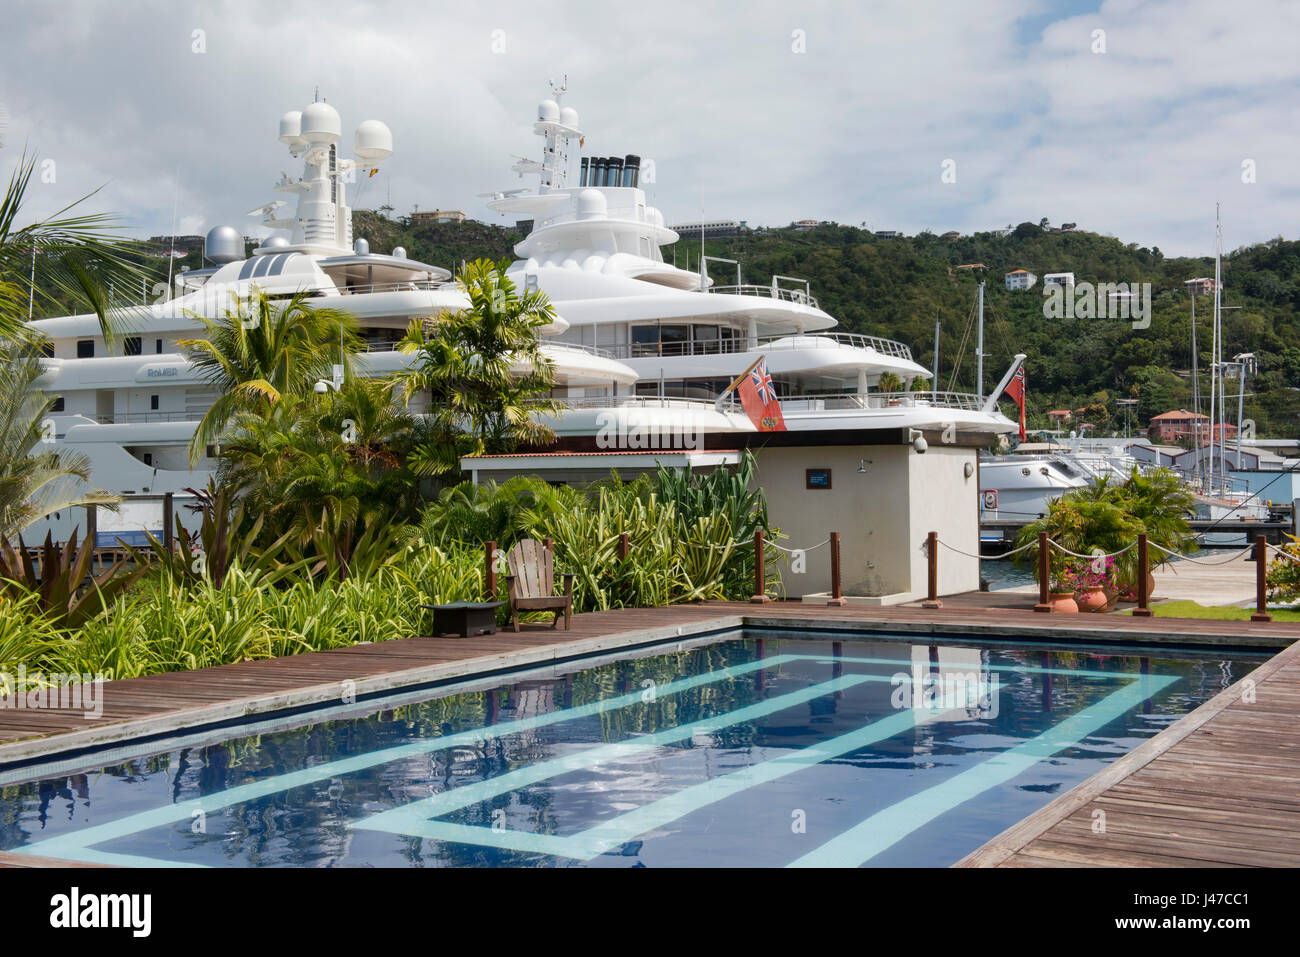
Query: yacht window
x,y
147,458
153,402
58,405
645,340
132,346
707,337
157,346
86,349
674,340
47,348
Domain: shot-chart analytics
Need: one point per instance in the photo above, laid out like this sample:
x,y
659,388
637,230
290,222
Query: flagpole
x,y
735,382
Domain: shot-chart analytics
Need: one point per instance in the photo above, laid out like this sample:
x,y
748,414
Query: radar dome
x,y
274,242
321,124
399,252
291,128
548,111
361,247
374,141
591,204
569,117
223,244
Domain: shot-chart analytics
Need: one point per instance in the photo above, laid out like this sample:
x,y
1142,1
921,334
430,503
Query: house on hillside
x,y
1020,279
1202,286
1063,279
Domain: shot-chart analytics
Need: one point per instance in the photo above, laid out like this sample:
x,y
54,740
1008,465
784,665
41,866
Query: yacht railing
x,y
800,296
852,340
412,285
644,402
810,340
548,345
818,402
131,417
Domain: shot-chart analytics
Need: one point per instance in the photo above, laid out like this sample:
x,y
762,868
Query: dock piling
x,y
1261,581
1144,569
1043,560
760,583
837,595
932,572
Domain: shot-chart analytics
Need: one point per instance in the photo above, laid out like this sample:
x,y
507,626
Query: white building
x,y
1063,279
1020,279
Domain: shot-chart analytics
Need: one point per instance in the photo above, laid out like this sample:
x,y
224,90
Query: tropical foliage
x,y
481,370
36,476
78,255
1105,518
264,349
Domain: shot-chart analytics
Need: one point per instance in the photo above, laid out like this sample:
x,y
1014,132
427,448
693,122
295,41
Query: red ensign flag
x,y
758,397
1016,389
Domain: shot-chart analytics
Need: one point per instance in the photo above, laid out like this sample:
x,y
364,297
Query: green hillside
x,y
897,288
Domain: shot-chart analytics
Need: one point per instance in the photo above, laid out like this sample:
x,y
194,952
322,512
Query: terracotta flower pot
x,y
1091,600
1063,601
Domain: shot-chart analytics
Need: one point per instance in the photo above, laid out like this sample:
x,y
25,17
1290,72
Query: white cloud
x,y
1138,141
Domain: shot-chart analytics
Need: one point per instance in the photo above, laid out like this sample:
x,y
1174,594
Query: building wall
x,y
882,516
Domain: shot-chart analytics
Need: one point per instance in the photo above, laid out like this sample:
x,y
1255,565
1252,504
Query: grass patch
x,y
1190,609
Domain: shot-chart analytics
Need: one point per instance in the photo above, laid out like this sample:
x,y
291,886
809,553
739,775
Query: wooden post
x,y
169,522
490,569
624,546
1142,611
932,572
1261,585
1044,563
837,594
760,582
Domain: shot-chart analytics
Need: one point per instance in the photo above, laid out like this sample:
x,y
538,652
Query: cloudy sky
x,y
767,112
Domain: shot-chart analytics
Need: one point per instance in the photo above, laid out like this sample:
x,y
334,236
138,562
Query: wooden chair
x,y
531,583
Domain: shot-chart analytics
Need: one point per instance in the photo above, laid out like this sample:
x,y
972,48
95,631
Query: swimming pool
x,y
753,749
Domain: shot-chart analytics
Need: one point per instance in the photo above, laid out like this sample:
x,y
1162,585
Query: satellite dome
x,y
591,204
321,124
374,141
291,128
548,111
274,242
569,117
399,252
361,247
223,244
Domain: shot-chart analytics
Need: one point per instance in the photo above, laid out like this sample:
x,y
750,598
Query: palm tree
x,y
36,477
264,349
482,368
76,254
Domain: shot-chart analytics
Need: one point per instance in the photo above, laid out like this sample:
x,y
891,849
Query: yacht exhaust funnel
x,y
631,170
615,176
582,176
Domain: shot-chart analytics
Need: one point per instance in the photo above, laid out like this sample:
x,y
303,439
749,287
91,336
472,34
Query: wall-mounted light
x,y
862,466
969,469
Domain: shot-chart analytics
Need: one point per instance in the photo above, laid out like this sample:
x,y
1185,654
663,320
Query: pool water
x,y
742,750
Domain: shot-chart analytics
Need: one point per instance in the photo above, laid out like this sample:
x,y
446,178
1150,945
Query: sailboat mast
x,y
979,350
1218,336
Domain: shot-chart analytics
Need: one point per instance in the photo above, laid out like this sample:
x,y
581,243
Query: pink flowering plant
x,y
1083,574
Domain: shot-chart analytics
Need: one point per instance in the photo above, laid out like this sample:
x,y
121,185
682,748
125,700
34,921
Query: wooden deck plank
x,y
1219,787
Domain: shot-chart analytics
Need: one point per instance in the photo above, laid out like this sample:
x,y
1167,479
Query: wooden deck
x,y
1219,788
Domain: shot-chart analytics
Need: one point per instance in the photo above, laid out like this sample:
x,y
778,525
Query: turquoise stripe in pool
x,y
705,756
